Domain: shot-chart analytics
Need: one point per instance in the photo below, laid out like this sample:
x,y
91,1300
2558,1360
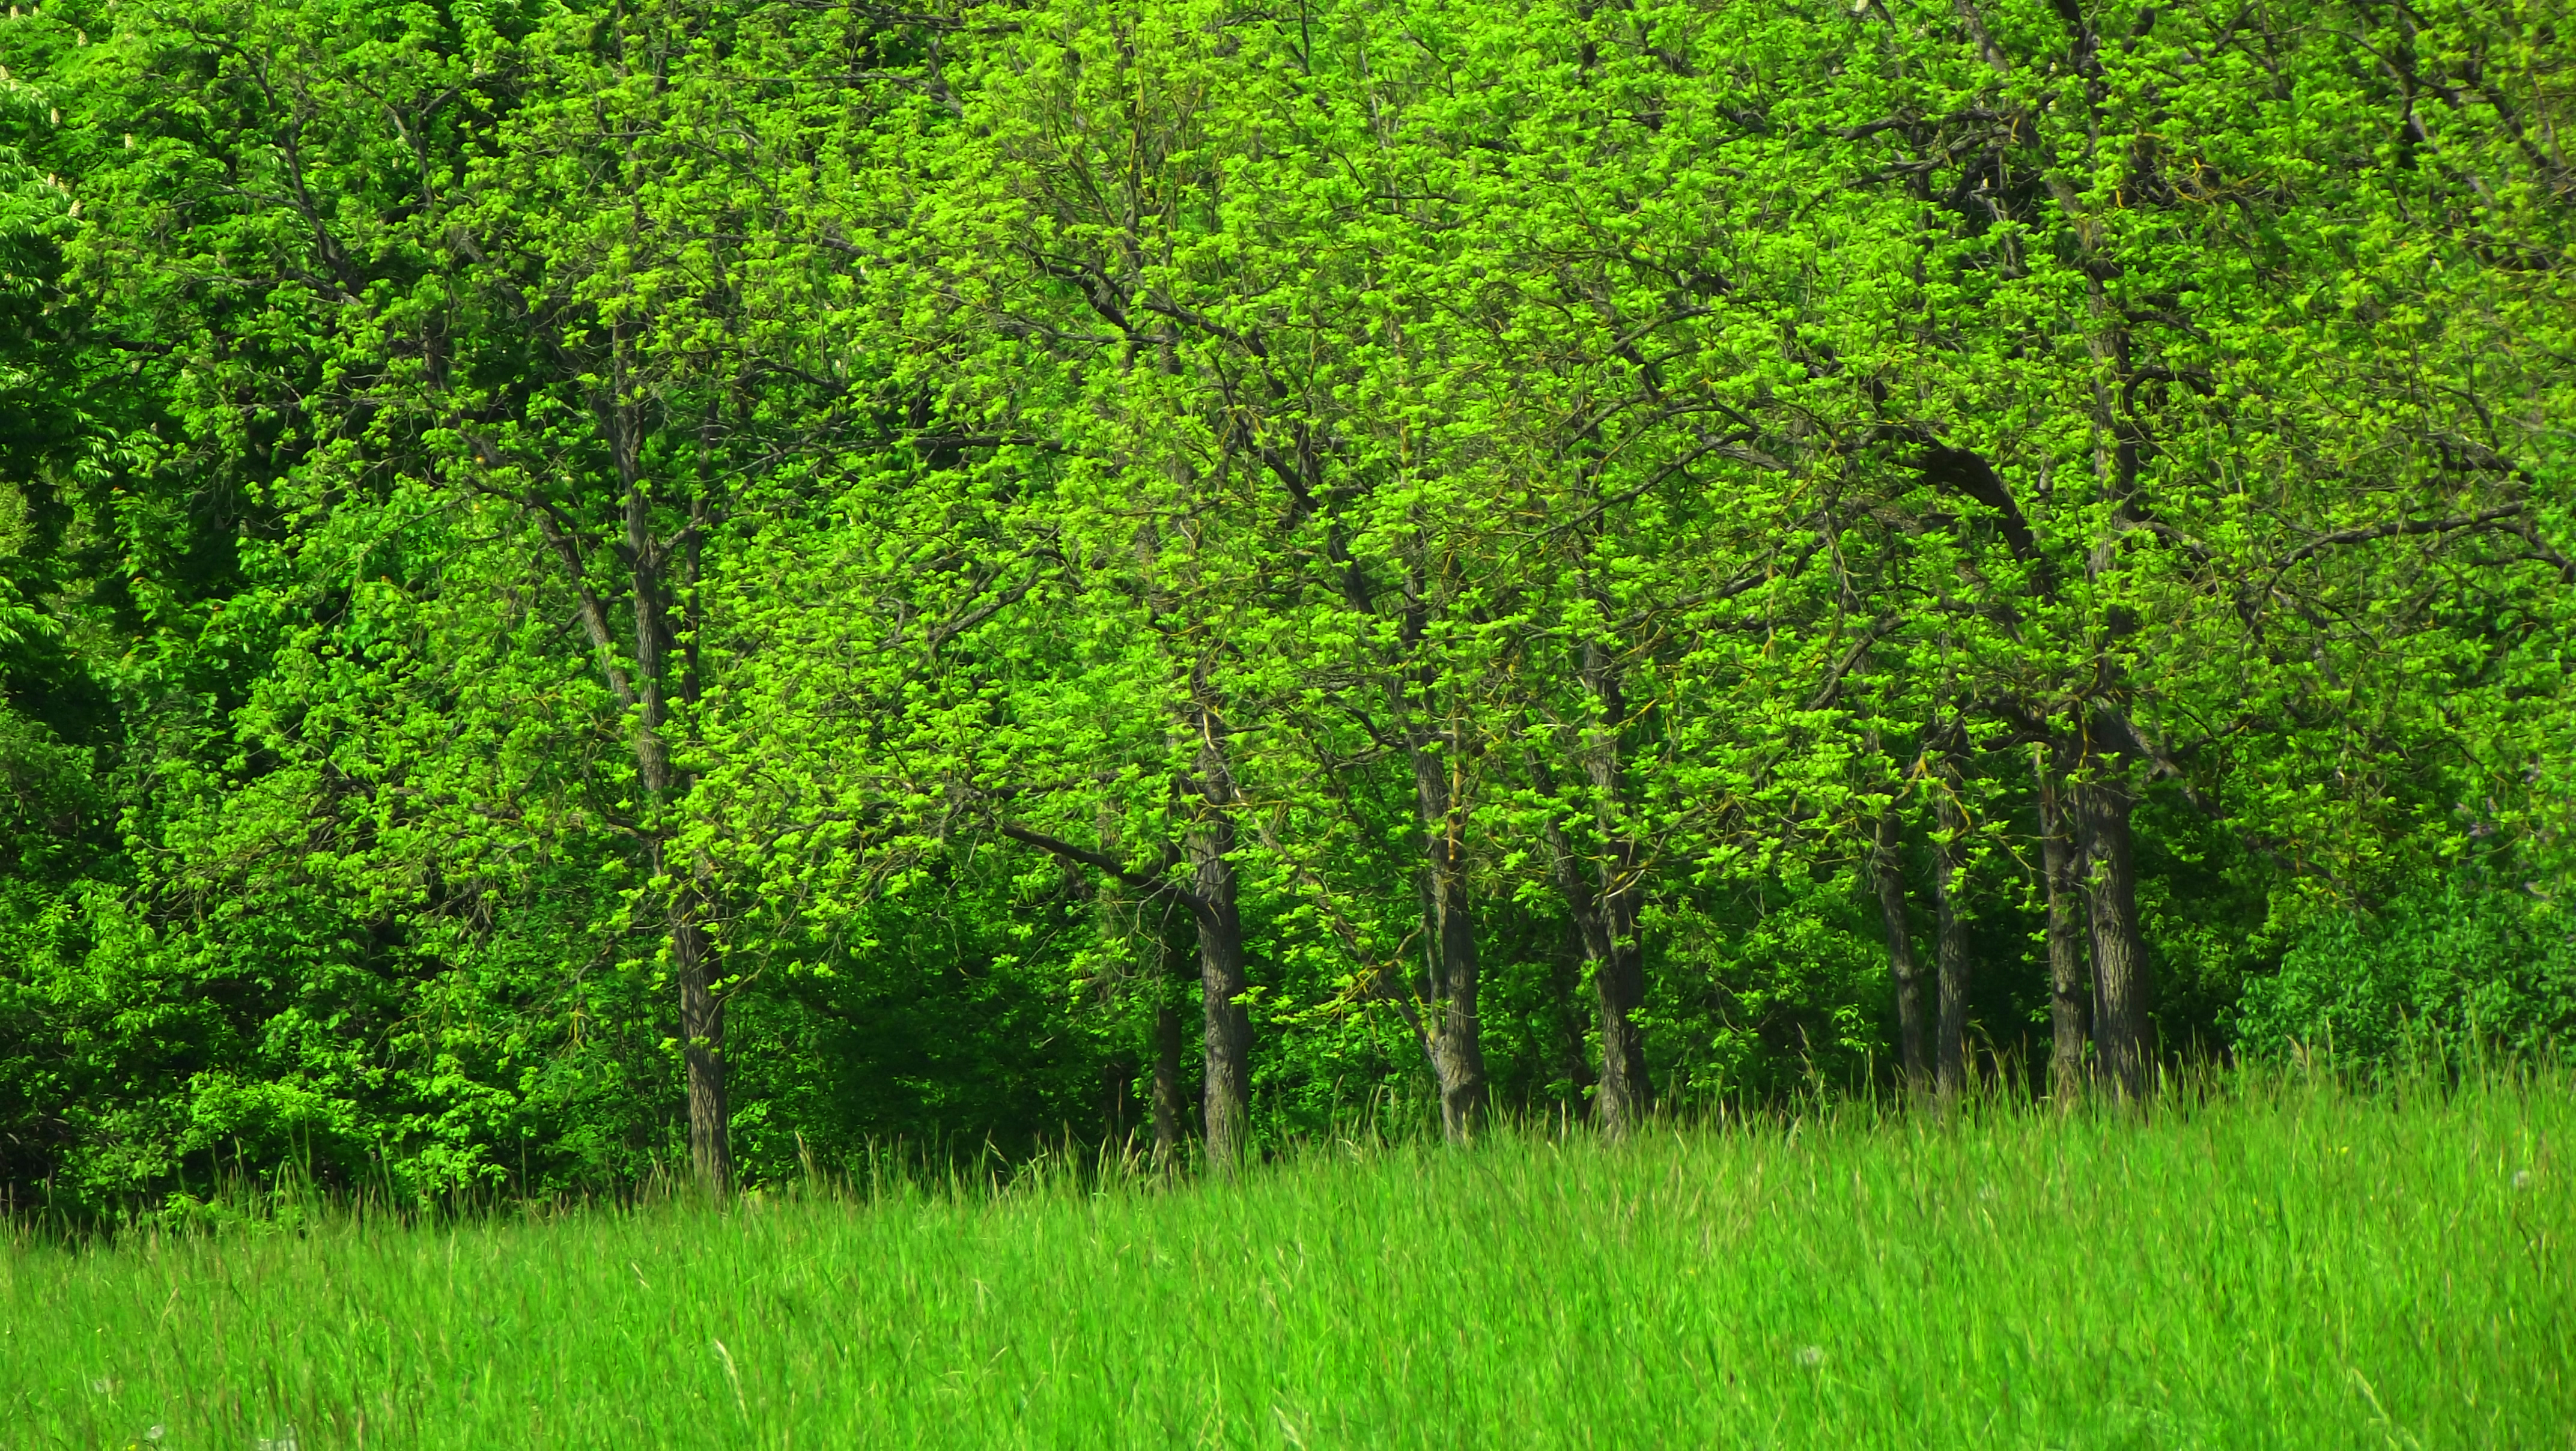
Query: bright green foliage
x,y
562,561
2283,1266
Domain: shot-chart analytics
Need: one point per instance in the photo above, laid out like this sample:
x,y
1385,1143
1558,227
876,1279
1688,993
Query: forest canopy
x,y
605,589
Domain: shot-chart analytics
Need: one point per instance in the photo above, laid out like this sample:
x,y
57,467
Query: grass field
x,y
2283,1266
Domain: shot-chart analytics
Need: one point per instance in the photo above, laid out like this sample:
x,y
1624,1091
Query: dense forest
x,y
594,590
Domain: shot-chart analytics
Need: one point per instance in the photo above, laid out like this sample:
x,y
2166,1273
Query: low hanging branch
x,y
1155,884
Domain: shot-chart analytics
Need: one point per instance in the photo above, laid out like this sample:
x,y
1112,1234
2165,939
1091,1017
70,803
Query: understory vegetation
x,y
2262,1263
596,593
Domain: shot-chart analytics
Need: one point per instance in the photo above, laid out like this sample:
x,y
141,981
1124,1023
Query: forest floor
x,y
2278,1266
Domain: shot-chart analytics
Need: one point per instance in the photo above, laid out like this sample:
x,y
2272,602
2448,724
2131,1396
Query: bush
x,y
2448,968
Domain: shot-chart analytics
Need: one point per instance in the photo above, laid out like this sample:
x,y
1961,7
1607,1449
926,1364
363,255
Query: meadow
x,y
2249,1265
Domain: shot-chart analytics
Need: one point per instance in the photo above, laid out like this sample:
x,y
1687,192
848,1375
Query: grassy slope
x,y
2293,1268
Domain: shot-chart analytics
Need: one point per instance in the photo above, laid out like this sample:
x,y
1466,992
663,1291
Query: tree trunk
x,y
1117,1090
1887,871
1451,1028
1950,942
1575,1021
1167,1079
1626,1096
702,1031
1606,928
1606,925
692,952
1619,966
1210,840
1451,1037
2122,992
1207,845
2061,871
1211,900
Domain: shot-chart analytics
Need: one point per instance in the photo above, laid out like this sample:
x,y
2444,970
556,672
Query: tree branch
x,y
1156,884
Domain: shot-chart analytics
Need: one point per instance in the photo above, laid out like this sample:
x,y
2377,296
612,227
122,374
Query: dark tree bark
x,y
710,1114
1626,1096
1950,942
2061,871
1605,898
2101,806
1228,1087
1887,872
2123,994
702,1029
1606,928
1207,845
653,567
1574,1020
1451,1033
1451,1028
1619,956
1117,1088
1226,1093
1166,1106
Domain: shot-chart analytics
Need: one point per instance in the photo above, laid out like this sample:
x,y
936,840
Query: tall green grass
x,y
2282,1265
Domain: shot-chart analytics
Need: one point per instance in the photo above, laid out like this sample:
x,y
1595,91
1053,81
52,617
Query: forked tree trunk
x,y
1950,943
2060,869
1887,874
1226,1091
2123,995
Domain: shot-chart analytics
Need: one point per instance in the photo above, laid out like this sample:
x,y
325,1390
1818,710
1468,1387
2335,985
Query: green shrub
x,y
2444,968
